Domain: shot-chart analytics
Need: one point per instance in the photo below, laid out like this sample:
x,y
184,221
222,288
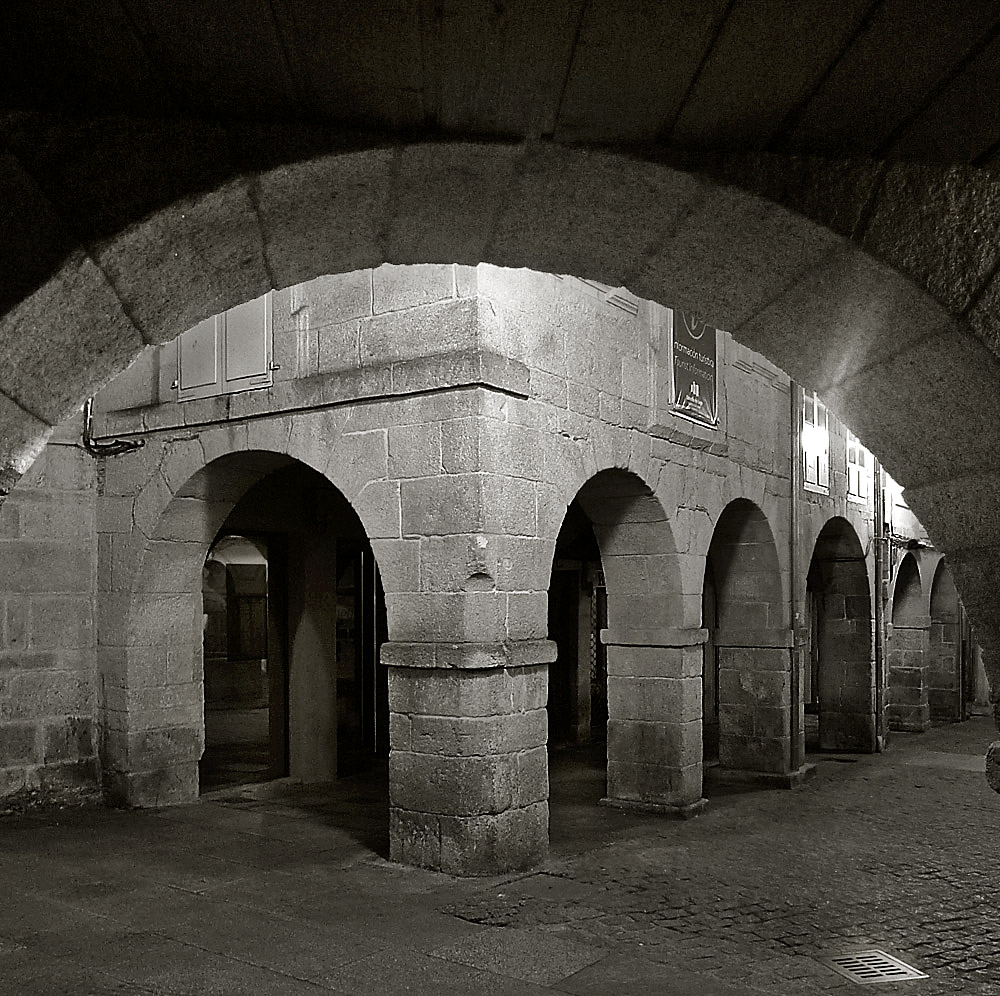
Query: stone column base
x,y
720,775
682,811
916,721
168,786
468,767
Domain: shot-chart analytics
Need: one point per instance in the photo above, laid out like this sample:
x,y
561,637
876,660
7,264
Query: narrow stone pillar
x,y
468,767
654,719
945,694
755,708
909,708
151,699
846,684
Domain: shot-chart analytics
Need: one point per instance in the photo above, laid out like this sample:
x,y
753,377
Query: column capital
x,y
468,656
754,638
654,636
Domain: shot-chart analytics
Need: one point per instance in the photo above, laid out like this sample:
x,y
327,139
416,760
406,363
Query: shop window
x,y
815,444
228,353
858,469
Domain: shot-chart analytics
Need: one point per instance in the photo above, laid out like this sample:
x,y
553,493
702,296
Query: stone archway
x,y
151,661
653,744
794,289
907,649
843,651
948,659
752,646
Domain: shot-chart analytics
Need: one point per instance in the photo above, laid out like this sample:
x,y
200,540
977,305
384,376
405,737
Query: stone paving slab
x,y
531,955
272,894
947,759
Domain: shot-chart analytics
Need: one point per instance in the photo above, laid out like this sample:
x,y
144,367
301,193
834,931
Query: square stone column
x,y
654,719
151,699
468,766
755,708
847,686
909,708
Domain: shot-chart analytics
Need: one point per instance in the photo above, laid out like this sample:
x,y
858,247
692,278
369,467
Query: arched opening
x,y
746,673
257,584
839,683
627,638
824,309
906,650
951,665
292,680
241,707
578,678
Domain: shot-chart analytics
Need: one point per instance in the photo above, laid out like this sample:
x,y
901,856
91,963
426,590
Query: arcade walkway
x,y
262,892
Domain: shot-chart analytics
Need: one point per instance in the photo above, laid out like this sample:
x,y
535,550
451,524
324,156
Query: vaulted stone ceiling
x,y
869,78
161,160
818,177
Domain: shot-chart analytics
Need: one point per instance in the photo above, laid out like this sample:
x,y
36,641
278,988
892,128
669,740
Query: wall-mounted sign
x,y
694,360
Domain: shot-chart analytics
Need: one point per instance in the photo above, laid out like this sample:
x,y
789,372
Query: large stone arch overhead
x,y
224,218
224,236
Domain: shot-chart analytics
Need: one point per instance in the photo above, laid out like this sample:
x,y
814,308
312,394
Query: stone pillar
x,y
151,699
755,708
909,709
468,766
945,694
654,719
846,680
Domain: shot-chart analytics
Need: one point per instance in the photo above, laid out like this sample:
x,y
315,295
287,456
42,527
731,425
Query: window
x,y
228,353
858,473
815,444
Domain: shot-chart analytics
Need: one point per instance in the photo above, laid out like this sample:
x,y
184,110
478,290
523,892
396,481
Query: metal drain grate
x,y
867,968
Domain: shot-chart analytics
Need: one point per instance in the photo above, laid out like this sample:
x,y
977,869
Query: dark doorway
x,y
710,669
294,619
578,678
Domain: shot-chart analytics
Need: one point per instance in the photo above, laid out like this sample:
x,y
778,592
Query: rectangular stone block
x,y
338,347
415,450
61,622
335,298
171,746
475,616
526,615
69,739
396,288
454,786
444,327
37,693
489,844
665,744
512,450
509,506
460,446
68,517
747,753
442,506
746,686
45,567
475,735
173,785
499,692
670,700
18,743
655,662
653,784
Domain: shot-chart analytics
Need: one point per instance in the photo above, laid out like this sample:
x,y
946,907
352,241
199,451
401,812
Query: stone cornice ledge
x,y
468,656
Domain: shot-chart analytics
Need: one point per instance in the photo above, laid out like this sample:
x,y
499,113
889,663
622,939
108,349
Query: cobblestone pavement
x,y
263,892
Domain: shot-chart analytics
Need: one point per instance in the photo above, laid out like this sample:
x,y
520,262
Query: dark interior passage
x,y
294,616
578,686
840,667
